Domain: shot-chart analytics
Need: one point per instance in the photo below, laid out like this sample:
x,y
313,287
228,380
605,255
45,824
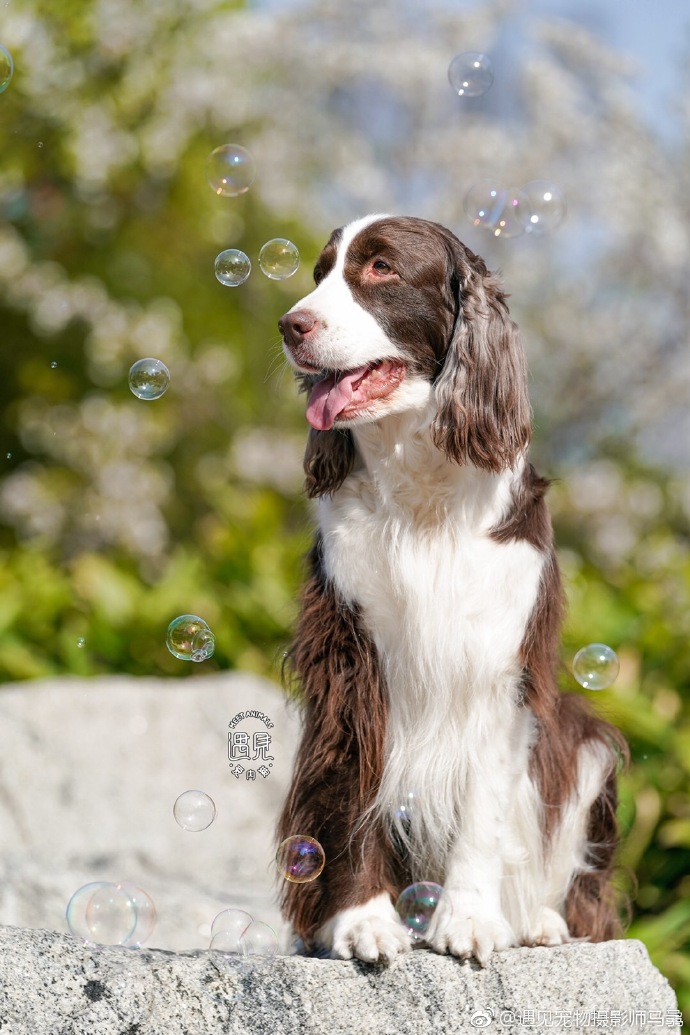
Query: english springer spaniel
x,y
436,743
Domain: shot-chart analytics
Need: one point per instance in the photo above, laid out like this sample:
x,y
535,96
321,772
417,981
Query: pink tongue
x,y
329,397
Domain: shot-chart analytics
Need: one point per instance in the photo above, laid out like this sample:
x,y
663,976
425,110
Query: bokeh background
x,y
118,514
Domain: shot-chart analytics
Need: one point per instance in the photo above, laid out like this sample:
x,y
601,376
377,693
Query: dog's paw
x,y
464,927
550,929
371,932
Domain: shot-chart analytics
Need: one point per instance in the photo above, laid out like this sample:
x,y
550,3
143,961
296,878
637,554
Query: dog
x,y
436,743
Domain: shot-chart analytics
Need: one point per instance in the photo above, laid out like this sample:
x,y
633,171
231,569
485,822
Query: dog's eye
x,y
381,267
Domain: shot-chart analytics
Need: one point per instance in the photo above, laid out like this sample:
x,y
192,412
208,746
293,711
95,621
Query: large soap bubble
x,y
230,170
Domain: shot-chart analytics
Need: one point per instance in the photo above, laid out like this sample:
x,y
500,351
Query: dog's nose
x,y
295,326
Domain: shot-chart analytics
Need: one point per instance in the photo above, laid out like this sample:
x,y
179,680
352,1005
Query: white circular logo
x,y
482,1018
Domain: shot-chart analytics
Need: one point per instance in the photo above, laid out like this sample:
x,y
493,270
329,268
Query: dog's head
x,y
404,314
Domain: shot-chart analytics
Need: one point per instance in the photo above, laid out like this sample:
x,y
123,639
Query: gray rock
x,y
52,985
89,773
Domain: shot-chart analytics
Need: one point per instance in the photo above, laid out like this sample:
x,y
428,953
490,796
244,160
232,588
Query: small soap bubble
x,y
416,905
230,170
470,74
545,207
81,642
259,940
596,666
300,859
279,259
146,915
194,811
189,638
149,378
111,915
232,267
203,645
75,913
403,810
231,921
6,68
53,365
8,456
401,813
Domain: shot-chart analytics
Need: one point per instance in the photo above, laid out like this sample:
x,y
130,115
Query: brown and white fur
x,y
427,648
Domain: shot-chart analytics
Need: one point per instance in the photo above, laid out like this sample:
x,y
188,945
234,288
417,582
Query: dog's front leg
x,y
469,919
348,910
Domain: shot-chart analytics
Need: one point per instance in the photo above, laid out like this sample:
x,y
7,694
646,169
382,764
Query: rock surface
x,y
89,772
51,985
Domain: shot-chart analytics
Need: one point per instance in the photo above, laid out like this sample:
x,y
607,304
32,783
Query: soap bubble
x,y
470,74
203,645
259,940
502,212
230,170
402,811
300,858
76,909
194,811
416,905
81,642
190,639
111,915
6,68
53,364
231,921
149,378
596,666
146,915
545,207
232,267
279,259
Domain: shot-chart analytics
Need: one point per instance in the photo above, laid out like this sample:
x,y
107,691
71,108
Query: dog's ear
x,y
483,414
327,461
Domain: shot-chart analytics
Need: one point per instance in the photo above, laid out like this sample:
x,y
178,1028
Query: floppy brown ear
x,y
328,460
483,412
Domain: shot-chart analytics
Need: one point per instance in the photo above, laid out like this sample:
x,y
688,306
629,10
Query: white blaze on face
x,y
347,336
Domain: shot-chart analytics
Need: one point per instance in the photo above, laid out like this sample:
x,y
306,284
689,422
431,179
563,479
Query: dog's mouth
x,y
343,394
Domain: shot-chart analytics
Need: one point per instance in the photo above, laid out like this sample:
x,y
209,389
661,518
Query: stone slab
x,y
52,985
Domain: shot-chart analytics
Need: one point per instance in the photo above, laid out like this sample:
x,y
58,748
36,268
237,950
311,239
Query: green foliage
x,y
95,613
639,603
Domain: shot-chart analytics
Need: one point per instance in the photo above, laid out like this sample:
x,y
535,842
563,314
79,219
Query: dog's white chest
x,y
442,604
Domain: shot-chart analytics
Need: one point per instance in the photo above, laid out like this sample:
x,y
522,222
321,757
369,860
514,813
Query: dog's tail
x,y
593,906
